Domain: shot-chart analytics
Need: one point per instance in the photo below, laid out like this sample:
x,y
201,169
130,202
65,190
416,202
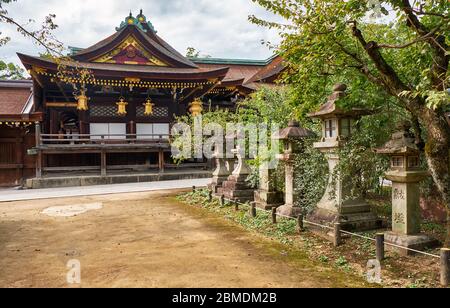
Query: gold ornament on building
x,y
148,107
196,107
122,107
82,100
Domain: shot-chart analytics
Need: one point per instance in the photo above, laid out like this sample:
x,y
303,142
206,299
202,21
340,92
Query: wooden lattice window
x,y
103,111
158,112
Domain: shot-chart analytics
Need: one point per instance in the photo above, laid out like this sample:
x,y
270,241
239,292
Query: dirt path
x,y
146,240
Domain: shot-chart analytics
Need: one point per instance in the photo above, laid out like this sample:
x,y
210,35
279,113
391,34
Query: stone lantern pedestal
x,y
337,204
266,197
406,175
224,168
235,187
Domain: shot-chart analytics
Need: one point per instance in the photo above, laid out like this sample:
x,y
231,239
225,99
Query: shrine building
x,y
109,108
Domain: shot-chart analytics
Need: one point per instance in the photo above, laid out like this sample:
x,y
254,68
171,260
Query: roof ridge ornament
x,y
139,21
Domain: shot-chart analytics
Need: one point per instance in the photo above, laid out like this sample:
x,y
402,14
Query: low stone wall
x,y
77,181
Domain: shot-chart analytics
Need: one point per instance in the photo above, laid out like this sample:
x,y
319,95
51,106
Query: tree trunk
x,y
438,157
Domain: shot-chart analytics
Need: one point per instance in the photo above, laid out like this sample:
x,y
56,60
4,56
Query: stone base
x,y
289,210
417,242
120,177
363,221
216,184
266,200
236,189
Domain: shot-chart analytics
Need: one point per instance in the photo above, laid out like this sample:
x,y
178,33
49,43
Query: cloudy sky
x,y
217,28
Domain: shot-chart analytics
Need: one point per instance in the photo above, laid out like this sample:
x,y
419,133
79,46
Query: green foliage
x,y
193,53
311,175
359,166
11,71
262,223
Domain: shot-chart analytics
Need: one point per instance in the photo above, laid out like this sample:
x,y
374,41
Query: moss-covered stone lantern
x,y
338,204
405,173
290,137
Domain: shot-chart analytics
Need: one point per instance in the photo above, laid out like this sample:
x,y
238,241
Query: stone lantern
x,y
290,137
337,204
405,173
224,168
236,187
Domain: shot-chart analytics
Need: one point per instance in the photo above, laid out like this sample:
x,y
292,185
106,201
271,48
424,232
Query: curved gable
x,y
131,45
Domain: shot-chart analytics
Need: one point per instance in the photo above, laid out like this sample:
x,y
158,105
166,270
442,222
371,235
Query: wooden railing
x,y
45,139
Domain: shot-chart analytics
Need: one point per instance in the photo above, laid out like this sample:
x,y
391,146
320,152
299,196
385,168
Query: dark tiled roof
x,y
26,83
236,72
150,39
270,71
157,71
13,99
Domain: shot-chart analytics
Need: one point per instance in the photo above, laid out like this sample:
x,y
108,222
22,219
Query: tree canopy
x,y
393,54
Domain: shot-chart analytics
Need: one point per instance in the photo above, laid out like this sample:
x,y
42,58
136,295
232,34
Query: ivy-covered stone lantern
x,y
338,204
290,137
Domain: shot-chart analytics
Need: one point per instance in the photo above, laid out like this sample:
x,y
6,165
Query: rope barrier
x,y
342,231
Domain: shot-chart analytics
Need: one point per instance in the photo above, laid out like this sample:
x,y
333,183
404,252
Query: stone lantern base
x,y
350,220
216,185
237,189
267,200
417,242
289,211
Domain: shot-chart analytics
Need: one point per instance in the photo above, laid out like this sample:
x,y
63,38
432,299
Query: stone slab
x,y
417,242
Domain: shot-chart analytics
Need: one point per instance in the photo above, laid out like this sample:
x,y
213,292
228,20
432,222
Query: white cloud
x,y
218,28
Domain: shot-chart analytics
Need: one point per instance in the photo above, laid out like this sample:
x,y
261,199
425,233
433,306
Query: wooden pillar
x,y
39,152
132,130
161,160
20,157
103,163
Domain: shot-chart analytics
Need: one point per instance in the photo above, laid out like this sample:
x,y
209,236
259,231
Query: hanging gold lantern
x,y
148,107
196,107
122,107
82,100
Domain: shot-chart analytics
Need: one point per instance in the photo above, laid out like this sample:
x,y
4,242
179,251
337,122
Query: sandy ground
x,y
146,240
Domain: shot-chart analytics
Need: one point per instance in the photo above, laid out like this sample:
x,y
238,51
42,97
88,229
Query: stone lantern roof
x,y
402,142
293,131
330,108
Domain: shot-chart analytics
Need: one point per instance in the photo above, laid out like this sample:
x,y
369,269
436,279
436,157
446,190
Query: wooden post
x,y
39,153
38,134
300,223
274,215
103,163
445,267
337,235
253,209
380,246
161,160
210,196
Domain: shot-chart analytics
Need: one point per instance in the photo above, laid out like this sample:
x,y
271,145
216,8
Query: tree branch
x,y
436,41
388,76
30,34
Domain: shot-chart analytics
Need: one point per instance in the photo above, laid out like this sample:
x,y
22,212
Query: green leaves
x,y
11,71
